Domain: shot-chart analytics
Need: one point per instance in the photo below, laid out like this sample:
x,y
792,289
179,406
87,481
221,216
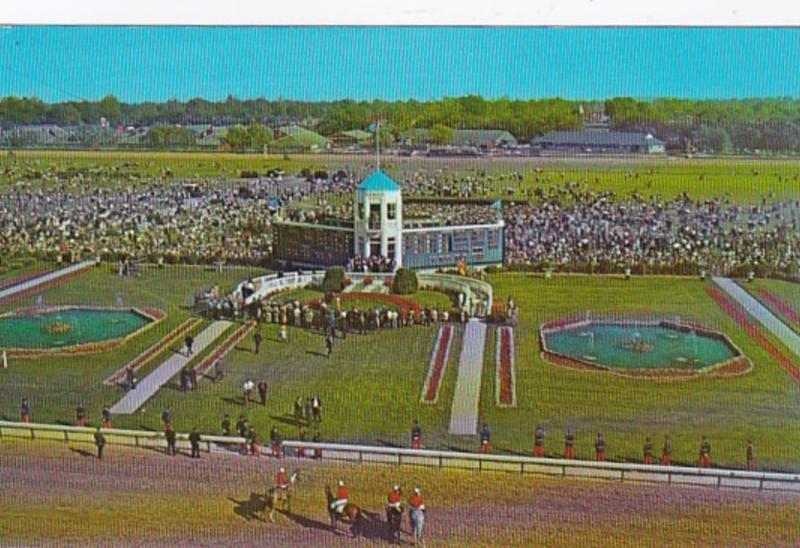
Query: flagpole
x,y
378,144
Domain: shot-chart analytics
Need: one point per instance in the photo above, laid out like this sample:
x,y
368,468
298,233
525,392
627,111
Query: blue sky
x,y
316,63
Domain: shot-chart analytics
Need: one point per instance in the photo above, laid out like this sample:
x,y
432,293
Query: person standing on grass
x,y
416,435
166,417
298,410
252,438
538,442
600,447
25,410
218,370
80,414
258,338
316,409
189,340
194,440
705,453
106,417
262,391
751,463
666,452
226,425
184,379
171,437
193,378
247,390
569,445
648,450
329,344
486,439
100,442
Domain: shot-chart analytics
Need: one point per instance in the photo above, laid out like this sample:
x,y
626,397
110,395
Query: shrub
x,y
334,280
405,282
347,282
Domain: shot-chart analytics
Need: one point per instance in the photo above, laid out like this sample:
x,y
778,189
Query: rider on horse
x,y
394,502
342,498
282,480
416,502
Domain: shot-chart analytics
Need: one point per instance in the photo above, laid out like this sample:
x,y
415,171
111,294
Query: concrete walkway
x,y
43,279
760,312
147,387
467,396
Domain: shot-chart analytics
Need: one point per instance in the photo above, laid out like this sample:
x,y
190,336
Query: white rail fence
x,y
613,471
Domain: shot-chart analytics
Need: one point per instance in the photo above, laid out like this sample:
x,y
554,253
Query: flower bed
x,y
505,382
152,351
740,316
438,364
779,305
394,301
224,348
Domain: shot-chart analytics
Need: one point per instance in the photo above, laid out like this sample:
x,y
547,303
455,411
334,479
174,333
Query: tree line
x,y
735,125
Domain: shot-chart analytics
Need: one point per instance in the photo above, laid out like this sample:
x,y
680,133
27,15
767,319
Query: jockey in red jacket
x,y
416,502
394,501
342,498
282,480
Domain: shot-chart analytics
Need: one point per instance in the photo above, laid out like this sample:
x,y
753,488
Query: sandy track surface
x,y
59,495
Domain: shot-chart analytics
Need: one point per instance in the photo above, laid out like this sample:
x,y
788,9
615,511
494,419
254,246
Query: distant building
x,y
353,137
598,141
378,228
485,139
294,138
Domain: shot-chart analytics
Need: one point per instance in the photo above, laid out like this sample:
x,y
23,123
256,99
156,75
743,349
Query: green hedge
x,y
334,280
405,282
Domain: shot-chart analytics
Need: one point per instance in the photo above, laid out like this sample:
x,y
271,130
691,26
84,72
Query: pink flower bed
x,y
506,366
740,316
779,305
438,364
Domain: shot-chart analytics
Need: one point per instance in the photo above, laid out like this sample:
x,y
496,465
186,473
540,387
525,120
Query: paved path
x,y
467,397
43,279
760,312
148,386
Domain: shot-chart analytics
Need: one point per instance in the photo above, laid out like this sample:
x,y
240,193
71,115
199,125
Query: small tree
x,y
405,282
334,280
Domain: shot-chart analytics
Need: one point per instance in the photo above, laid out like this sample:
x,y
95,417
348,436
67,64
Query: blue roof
x,y
379,182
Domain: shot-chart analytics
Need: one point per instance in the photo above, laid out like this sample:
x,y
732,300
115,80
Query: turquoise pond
x,y
626,346
69,327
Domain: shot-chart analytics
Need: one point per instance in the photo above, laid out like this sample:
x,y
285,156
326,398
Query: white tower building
x,y
378,218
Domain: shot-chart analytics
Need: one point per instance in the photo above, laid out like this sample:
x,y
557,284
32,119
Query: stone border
x,y
739,364
432,365
499,365
89,347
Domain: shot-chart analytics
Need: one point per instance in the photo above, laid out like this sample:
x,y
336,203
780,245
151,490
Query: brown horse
x,y
351,513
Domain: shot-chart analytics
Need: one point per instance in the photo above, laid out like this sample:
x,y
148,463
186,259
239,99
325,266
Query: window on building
x,y
391,211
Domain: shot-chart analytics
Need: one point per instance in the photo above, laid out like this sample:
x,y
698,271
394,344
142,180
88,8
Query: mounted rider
x,y
282,480
394,502
415,501
342,498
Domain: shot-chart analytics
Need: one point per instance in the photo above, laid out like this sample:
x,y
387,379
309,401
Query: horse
x,y
417,519
394,518
350,512
276,494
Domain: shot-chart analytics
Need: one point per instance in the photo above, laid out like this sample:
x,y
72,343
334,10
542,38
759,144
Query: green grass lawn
x,y
370,386
741,180
54,385
762,405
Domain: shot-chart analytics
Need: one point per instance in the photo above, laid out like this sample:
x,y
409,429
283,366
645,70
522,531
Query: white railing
x,y
272,283
615,471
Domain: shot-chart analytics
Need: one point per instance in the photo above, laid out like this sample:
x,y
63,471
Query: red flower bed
x,y
145,356
347,282
438,364
506,365
224,348
367,281
379,298
740,316
780,306
388,282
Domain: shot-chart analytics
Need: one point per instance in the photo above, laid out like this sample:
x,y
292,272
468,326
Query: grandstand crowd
x,y
567,225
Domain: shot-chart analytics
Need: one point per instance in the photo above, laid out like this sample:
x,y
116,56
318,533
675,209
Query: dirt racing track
x,y
142,497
